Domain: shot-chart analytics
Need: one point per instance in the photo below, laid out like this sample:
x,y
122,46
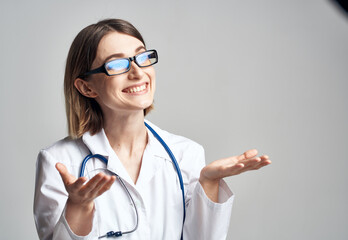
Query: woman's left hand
x,y
212,173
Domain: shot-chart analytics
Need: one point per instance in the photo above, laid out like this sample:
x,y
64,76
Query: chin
x,y
147,105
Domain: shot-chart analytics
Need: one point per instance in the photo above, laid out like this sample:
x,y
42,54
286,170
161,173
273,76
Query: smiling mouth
x,y
136,89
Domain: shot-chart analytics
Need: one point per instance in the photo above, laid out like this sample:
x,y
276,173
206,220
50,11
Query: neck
x,y
126,132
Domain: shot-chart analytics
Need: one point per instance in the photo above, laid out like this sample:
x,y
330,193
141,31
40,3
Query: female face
x,y
127,92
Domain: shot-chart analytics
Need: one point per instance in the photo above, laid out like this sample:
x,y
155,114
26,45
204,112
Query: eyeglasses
x,y
123,65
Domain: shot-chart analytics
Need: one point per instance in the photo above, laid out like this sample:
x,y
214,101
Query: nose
x,y
135,72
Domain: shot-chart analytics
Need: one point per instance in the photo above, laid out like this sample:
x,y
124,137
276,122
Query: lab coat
x,y
157,192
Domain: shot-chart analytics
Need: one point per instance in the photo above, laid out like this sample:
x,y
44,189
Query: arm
x,y
209,199
50,196
56,208
80,203
205,219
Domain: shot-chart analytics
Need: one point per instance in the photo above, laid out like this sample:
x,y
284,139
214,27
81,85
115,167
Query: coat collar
x,y
154,144
154,156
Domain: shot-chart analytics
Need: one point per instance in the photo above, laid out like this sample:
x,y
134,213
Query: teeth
x,y
136,89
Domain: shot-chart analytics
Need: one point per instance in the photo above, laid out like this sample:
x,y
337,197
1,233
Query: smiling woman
x,y
83,113
115,92
150,184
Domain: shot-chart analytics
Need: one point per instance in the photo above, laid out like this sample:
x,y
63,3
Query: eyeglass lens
x,y
122,65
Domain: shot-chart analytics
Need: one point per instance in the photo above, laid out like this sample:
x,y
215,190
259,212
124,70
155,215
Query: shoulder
x,y
64,150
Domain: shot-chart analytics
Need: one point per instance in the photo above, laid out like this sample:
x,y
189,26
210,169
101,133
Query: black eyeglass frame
x,y
102,68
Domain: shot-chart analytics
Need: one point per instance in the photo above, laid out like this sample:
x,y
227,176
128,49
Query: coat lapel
x,y
154,157
99,144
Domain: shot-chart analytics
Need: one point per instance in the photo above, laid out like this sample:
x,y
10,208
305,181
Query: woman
x,y
109,87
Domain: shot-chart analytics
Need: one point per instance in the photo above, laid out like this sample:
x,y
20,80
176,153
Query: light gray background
x,y
232,75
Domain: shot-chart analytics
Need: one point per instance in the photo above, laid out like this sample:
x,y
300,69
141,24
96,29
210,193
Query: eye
x,y
143,58
117,66
147,58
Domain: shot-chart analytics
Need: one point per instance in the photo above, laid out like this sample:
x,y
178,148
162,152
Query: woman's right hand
x,y
80,203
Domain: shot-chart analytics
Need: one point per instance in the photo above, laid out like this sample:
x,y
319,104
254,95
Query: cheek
x,y
152,76
105,86
97,83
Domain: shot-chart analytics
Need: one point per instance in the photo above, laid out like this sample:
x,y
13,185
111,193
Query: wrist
x,y
80,206
210,187
209,183
206,179
79,217
74,212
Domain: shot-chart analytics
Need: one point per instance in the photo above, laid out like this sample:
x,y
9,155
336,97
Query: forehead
x,y
117,43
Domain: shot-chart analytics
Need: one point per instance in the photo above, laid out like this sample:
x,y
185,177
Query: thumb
x,y
65,175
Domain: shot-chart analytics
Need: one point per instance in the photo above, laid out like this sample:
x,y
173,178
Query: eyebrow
x,y
122,54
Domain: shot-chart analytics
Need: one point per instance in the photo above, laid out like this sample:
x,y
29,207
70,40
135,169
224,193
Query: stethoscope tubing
x,y
177,168
112,233
171,155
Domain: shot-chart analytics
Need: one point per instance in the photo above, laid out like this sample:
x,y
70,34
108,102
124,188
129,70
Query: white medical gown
x,y
157,192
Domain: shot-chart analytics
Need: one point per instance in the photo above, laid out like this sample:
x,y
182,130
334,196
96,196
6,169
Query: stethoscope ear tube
x,y
84,162
171,155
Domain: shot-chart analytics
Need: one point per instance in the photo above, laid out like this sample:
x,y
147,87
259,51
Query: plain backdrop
x,y
232,75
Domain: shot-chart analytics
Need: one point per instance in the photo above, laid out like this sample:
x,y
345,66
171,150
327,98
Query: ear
x,y
84,88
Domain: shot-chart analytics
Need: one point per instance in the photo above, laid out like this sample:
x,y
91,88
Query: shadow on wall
x,y
342,5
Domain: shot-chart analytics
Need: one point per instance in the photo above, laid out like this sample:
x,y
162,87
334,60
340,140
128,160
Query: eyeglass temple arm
x,y
100,69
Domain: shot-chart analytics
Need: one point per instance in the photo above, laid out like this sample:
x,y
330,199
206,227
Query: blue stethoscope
x,y
103,159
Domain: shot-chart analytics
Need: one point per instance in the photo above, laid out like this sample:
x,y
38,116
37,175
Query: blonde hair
x,y
84,114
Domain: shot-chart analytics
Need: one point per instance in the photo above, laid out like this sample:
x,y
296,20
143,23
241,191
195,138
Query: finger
x,y
268,162
252,165
65,175
107,185
265,160
252,161
95,191
258,165
79,182
264,164
264,157
245,164
248,154
91,184
240,165
233,170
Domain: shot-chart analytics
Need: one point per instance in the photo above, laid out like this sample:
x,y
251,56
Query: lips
x,y
138,88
